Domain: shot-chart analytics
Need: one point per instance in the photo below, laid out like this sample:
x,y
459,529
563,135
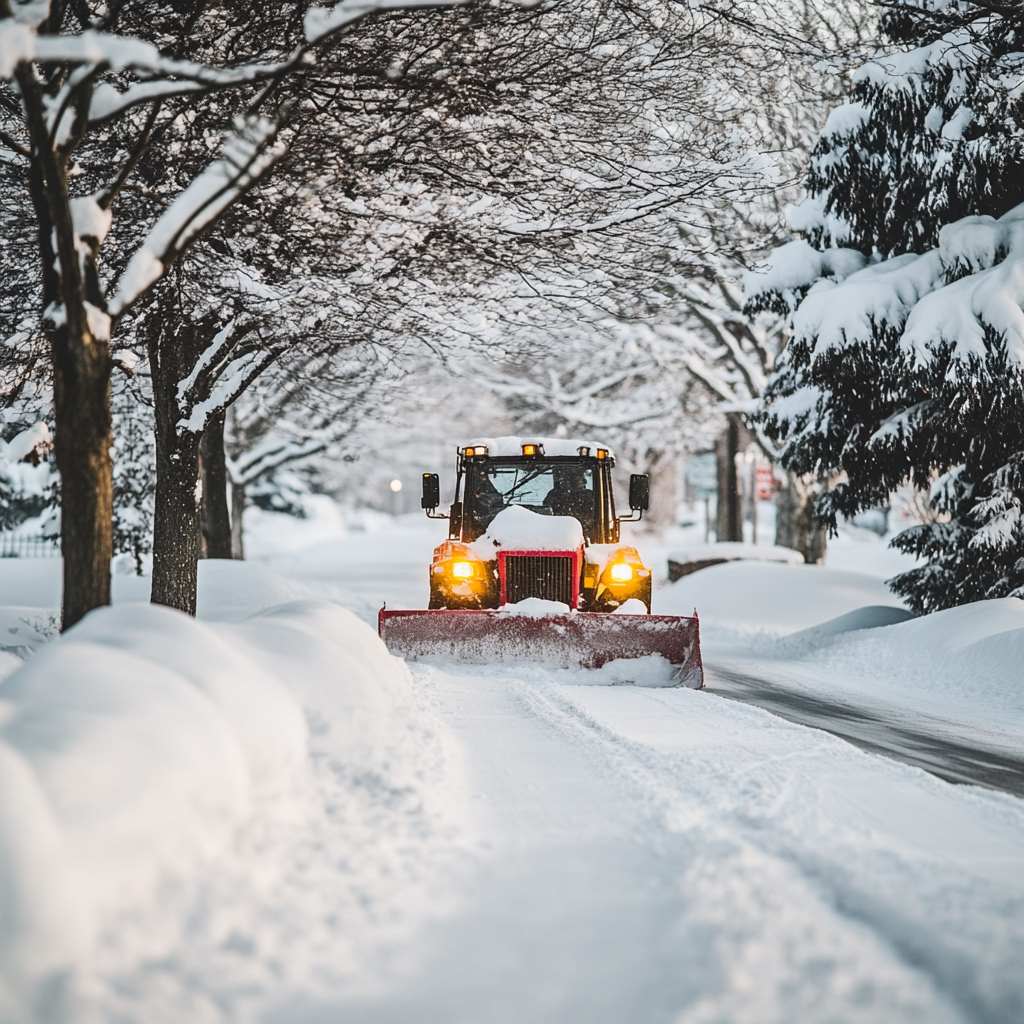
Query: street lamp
x,y
396,489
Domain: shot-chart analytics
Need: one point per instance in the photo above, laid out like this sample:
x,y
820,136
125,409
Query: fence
x,y
26,545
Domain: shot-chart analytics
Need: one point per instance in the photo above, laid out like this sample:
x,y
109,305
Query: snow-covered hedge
x,y
135,748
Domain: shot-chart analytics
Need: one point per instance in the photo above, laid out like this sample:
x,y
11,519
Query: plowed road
x,y
655,856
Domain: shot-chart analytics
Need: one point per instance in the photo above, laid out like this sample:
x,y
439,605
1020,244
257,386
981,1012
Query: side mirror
x,y
639,492
432,492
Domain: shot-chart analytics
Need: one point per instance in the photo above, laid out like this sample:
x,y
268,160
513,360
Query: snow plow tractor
x,y
533,568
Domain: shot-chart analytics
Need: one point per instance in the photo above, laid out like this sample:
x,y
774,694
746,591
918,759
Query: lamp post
x,y
396,489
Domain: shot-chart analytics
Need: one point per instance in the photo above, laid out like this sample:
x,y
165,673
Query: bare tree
x,y
78,76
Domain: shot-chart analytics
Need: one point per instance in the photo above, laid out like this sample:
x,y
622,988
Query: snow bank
x,y
963,662
138,748
518,529
870,617
131,749
736,550
769,598
232,590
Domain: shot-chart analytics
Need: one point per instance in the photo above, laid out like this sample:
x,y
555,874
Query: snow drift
x,y
770,598
136,748
963,662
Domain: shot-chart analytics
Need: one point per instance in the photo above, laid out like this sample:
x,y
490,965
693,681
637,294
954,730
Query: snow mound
x,y
131,748
972,652
870,617
520,529
736,550
230,589
145,756
535,608
962,663
769,598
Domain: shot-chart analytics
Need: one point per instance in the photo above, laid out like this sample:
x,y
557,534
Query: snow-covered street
x,y
657,854
506,844
662,856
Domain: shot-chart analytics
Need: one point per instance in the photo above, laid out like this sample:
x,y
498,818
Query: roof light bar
x,y
480,449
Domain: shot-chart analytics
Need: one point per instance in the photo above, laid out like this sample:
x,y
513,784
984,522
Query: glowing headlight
x,y
621,572
462,570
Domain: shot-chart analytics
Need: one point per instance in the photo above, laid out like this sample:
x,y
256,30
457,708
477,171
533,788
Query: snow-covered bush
x,y
907,350
24,474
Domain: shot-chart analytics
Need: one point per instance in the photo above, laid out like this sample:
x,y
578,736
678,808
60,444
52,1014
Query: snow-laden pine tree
x,y
906,360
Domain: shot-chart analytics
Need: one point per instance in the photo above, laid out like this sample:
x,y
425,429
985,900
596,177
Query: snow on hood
x,y
518,529
503,447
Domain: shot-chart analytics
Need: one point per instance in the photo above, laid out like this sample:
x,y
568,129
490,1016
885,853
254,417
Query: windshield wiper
x,y
522,483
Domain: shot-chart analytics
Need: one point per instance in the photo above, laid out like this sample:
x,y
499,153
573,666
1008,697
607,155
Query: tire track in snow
x,y
830,941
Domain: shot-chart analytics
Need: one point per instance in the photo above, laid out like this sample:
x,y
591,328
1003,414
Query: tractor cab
x,y
478,566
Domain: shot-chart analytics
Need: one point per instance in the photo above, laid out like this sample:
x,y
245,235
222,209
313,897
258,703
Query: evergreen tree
x,y
906,358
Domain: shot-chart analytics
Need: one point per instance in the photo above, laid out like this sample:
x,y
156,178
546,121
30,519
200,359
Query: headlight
x,y
463,570
621,572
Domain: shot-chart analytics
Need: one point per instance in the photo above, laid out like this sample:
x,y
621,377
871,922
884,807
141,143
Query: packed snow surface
x,y
519,529
509,446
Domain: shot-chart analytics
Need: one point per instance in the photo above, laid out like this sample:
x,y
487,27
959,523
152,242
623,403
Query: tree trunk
x,y
81,371
82,443
174,345
795,525
730,517
237,512
218,520
176,526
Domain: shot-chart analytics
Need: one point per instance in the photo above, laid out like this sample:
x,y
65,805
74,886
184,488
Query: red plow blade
x,y
577,640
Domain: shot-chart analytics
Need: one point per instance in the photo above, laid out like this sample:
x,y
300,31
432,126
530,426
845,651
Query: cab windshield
x,y
548,488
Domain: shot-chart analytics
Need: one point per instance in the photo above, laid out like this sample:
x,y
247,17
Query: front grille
x,y
546,576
